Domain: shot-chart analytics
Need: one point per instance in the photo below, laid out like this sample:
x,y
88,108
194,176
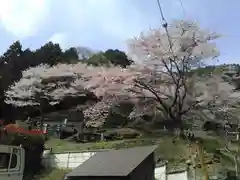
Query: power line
x,y
183,9
165,26
161,11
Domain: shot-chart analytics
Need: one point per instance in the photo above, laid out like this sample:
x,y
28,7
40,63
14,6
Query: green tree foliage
x,y
117,57
52,54
98,59
16,59
33,145
70,56
114,57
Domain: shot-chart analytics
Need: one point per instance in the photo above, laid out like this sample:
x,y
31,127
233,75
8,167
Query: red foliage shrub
x,y
32,141
13,128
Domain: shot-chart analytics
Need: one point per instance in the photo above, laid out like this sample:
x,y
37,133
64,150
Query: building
x,y
161,173
132,164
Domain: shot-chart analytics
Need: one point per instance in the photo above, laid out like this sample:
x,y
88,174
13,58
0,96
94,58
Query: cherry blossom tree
x,y
172,54
43,85
158,81
40,81
163,61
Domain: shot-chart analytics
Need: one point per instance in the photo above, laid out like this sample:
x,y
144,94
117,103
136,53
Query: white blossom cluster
x,y
159,74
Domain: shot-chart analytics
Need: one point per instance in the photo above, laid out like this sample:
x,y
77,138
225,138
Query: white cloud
x,y
90,22
23,17
117,19
60,38
94,23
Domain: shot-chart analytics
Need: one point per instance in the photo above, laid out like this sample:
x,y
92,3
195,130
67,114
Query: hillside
x,y
157,92
225,84
177,152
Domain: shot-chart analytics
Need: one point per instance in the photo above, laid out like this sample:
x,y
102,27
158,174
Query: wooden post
x,y
203,166
102,137
236,155
194,165
68,160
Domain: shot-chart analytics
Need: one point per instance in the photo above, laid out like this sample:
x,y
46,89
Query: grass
x,y
175,153
166,148
53,174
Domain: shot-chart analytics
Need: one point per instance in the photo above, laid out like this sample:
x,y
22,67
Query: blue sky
x,y
109,23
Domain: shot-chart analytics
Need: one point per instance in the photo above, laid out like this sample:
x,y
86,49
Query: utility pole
x,y
237,153
203,165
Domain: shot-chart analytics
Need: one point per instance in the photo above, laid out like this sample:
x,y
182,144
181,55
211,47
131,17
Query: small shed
x,y
132,164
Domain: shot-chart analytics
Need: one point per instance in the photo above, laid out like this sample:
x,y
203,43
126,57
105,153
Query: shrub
x,y
54,174
124,133
16,129
118,115
212,126
102,145
33,144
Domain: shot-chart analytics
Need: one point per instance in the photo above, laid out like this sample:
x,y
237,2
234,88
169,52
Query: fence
x,y
73,159
161,174
178,176
65,160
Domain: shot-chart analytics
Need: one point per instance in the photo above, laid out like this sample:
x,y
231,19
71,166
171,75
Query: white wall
x,y
73,159
160,172
178,176
65,160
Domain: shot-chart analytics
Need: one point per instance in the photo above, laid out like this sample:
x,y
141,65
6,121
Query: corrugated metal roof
x,y
113,163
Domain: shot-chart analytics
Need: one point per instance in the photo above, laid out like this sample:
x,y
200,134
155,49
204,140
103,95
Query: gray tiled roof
x,y
113,163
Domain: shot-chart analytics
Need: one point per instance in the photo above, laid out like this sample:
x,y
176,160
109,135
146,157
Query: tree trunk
x,y
41,117
80,130
178,127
